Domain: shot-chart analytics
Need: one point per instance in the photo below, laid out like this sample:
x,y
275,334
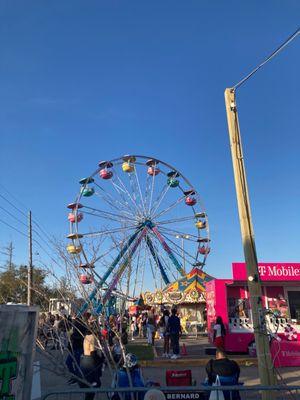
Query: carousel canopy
x,y
194,280
189,289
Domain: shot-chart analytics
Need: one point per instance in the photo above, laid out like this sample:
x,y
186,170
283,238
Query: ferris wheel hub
x,y
146,223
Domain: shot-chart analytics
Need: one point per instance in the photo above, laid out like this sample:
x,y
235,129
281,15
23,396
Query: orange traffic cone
x,y
183,350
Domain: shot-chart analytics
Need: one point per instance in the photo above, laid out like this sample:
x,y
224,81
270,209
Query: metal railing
x,y
287,392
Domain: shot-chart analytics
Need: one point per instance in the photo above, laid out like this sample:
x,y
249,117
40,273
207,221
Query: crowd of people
x,y
79,339
165,326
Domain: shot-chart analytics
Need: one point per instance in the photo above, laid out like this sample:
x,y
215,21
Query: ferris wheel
x,y
136,223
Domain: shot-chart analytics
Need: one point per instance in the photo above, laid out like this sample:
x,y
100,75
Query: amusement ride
x,y
124,225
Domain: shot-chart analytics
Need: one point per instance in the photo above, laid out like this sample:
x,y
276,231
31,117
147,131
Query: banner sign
x,y
269,271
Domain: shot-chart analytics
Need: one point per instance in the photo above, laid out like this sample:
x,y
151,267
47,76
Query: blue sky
x,y
85,81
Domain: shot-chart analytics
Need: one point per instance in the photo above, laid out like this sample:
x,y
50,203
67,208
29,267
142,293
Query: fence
x,y
182,393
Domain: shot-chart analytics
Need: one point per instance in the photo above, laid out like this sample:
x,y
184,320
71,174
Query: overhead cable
x,y
278,50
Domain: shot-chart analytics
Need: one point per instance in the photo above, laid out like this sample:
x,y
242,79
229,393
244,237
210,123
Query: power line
x,y
14,197
16,208
23,213
272,55
12,227
13,216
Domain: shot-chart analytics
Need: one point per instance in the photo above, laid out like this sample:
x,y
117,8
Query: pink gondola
x,y
204,250
73,218
153,171
105,173
86,279
190,201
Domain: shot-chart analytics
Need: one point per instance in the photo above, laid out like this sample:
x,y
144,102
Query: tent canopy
x,y
188,289
194,280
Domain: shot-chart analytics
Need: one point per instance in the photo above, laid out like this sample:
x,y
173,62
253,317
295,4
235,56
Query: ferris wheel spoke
x,y
109,251
123,189
147,191
113,206
107,215
106,232
175,220
178,249
139,190
175,248
169,208
160,198
187,236
151,194
111,201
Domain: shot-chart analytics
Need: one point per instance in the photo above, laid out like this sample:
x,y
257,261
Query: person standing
x,y
133,327
56,332
163,326
219,334
174,328
144,324
151,328
75,348
91,363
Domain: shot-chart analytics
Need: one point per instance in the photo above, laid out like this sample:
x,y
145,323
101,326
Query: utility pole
x,y
265,365
30,268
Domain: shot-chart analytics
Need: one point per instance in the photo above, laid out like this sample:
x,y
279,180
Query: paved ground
x,y
53,379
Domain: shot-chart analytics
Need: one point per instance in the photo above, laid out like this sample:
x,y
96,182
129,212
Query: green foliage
x,y
13,286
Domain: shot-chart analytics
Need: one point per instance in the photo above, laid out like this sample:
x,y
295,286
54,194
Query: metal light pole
x,y
182,237
265,365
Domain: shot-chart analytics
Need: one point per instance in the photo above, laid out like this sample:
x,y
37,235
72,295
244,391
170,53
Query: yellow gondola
x,y
73,249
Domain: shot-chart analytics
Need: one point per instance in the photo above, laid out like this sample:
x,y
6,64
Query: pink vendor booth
x,y
229,298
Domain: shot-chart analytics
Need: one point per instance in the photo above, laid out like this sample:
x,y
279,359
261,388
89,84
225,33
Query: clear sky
x,y
85,81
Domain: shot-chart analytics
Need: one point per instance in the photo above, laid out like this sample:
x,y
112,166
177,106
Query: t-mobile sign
x,y
269,271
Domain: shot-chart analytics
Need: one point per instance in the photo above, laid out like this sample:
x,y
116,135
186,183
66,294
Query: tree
x,y
13,286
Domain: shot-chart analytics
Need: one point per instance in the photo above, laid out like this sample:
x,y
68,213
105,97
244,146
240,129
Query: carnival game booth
x,y
187,294
229,298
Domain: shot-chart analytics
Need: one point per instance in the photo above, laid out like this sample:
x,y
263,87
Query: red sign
x,y
269,271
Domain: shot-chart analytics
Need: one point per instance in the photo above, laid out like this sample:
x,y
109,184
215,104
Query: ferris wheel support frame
x,y
108,272
120,271
157,261
147,225
168,251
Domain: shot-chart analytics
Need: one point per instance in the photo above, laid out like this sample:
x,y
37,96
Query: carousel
x,y
187,294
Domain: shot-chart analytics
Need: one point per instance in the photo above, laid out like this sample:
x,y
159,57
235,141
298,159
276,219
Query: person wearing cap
x,y
132,367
